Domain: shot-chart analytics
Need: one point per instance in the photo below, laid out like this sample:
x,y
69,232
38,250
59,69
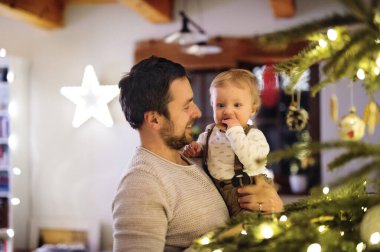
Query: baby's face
x,y
231,102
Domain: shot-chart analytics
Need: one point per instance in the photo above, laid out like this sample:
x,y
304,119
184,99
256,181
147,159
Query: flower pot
x,y
298,183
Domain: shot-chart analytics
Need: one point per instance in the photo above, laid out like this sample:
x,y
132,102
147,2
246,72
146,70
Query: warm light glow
x,y
315,247
205,241
3,52
322,228
266,231
375,238
12,109
360,247
322,43
10,77
378,61
325,190
376,70
360,74
91,99
341,233
332,34
12,141
244,232
16,171
15,201
283,218
10,232
217,250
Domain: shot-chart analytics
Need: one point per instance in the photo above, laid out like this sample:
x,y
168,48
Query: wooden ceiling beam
x,y
156,11
283,8
43,13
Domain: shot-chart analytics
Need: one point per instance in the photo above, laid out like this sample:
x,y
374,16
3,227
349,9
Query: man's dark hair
x,y
146,88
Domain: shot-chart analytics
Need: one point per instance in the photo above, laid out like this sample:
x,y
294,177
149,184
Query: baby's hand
x,y
231,122
192,150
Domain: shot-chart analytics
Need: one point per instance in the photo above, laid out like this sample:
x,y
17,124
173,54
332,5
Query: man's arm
x,y
140,220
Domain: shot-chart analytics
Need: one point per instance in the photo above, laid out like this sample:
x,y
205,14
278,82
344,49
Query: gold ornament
x,y
351,127
334,108
371,116
296,119
370,225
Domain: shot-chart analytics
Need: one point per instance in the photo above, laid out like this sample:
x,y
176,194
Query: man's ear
x,y
152,119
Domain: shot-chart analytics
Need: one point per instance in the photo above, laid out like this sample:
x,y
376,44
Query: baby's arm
x,y
249,148
193,150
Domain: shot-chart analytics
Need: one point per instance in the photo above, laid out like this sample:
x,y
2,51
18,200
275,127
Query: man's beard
x,y
174,142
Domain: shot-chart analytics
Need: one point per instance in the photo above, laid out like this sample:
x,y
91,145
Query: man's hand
x,y
192,150
261,197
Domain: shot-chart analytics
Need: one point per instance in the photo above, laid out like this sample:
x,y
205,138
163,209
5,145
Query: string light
x,y
360,74
374,238
322,43
376,70
217,250
322,228
283,218
15,201
205,241
325,190
16,171
360,247
315,247
266,231
332,34
244,232
341,233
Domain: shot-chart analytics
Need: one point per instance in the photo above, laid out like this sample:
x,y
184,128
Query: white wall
x,y
74,172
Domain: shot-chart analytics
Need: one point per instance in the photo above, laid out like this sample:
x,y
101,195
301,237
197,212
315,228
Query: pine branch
x,y
305,30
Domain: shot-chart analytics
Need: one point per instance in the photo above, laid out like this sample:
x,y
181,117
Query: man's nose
x,y
197,112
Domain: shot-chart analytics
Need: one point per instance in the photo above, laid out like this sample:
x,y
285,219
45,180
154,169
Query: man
x,y
165,201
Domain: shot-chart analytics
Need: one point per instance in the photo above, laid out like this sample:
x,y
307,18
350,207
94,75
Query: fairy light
x,y
360,74
360,247
16,171
315,247
374,238
12,141
266,231
376,70
364,209
283,218
332,34
3,52
378,61
244,232
205,241
322,228
15,201
325,190
217,250
341,233
322,43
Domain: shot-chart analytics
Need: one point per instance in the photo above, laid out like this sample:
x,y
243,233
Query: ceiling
x,y
48,14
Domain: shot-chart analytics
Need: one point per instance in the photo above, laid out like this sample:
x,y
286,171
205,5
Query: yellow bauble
x,y
351,127
370,225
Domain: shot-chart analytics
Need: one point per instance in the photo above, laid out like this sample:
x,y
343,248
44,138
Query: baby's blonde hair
x,y
239,78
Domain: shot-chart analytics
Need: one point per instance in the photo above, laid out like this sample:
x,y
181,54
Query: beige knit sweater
x,y
162,206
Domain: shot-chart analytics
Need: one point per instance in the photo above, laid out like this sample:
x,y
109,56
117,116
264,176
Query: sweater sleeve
x,y
248,147
141,228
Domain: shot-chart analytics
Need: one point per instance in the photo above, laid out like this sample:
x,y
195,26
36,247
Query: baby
x,y
231,147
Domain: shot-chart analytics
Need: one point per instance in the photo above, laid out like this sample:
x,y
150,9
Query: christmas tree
x,y
346,216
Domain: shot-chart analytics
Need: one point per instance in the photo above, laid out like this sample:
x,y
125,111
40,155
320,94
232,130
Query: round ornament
x,y
351,127
296,119
370,225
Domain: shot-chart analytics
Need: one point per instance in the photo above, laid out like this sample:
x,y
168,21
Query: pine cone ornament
x,y
296,119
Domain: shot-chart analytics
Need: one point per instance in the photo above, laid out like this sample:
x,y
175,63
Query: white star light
x,y
91,99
